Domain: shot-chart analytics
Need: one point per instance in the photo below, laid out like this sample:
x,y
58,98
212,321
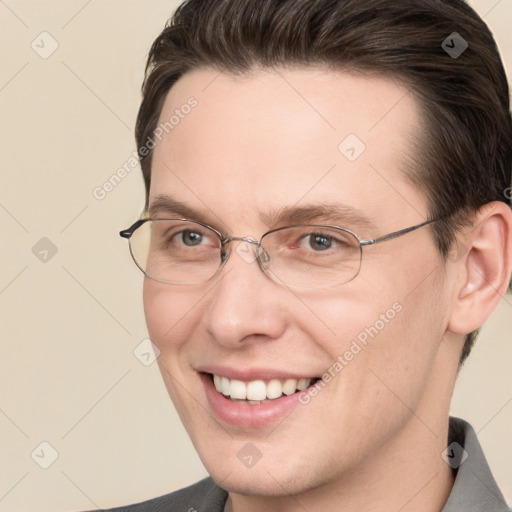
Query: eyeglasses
x,y
184,251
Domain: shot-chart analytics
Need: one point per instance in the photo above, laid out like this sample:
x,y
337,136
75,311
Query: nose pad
x,y
263,255
246,250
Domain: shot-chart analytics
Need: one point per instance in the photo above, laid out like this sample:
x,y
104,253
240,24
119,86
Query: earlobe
x,y
486,267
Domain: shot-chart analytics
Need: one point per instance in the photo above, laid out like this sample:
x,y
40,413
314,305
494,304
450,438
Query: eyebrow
x,y
163,204
333,213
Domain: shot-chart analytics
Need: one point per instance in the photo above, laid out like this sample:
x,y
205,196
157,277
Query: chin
x,y
270,479
259,483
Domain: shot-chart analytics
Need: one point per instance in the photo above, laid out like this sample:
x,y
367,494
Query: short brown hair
x,y
464,160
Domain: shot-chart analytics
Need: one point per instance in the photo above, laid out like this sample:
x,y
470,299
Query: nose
x,y
244,305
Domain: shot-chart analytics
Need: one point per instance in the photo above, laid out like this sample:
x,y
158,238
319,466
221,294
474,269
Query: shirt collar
x,y
474,489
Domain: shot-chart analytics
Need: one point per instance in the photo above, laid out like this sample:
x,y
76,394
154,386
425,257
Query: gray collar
x,y
474,489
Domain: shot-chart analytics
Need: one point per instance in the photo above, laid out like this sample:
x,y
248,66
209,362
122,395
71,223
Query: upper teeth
x,y
258,389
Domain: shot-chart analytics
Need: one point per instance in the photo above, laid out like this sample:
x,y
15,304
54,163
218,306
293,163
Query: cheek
x,y
350,318
171,318
385,336
387,348
170,314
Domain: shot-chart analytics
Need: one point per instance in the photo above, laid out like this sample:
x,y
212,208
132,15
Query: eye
x,y
183,236
319,242
324,242
309,241
190,238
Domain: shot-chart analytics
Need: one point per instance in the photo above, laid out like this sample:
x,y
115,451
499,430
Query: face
x,y
253,147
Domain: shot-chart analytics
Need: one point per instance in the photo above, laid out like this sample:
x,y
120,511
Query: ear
x,y
484,271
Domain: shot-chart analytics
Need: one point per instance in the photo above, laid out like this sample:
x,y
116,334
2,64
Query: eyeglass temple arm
x,y
396,234
127,233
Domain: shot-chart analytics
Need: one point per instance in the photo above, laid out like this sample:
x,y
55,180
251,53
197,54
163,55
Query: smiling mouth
x,y
259,391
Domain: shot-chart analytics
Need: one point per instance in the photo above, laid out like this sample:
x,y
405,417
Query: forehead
x,y
274,138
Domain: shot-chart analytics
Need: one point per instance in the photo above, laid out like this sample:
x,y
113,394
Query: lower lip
x,y
247,415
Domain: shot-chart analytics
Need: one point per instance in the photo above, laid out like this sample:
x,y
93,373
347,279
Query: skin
x,y
373,437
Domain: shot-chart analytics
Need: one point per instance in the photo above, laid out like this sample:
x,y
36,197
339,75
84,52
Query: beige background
x,y
69,326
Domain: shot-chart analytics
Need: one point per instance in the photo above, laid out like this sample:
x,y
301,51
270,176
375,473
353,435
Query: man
x,y
327,226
